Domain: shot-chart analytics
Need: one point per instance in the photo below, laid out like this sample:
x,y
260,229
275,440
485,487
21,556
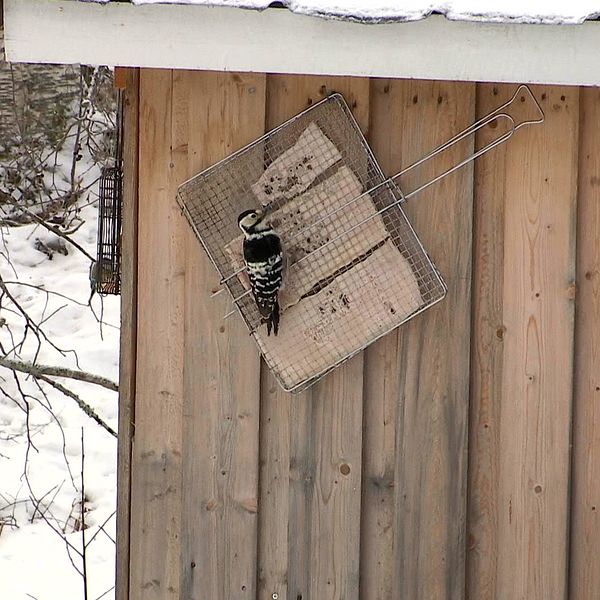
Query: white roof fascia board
x,y
278,41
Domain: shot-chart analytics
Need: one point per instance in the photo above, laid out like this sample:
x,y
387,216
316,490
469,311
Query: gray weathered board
x,y
357,488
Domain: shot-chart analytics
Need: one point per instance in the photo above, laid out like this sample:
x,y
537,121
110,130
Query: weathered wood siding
x,y
128,346
459,457
523,334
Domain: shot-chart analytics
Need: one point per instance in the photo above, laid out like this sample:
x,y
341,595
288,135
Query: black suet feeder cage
x,y
105,272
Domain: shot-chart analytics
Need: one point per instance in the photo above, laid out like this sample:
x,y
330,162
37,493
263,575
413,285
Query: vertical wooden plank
x,y
335,448
275,484
417,379
127,353
381,403
519,482
539,274
486,354
311,443
336,497
156,453
221,370
121,77
382,394
585,501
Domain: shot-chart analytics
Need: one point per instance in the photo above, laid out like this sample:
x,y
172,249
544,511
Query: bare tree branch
x,y
37,370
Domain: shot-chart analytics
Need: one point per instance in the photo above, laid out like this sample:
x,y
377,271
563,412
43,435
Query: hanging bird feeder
x,y
356,269
105,273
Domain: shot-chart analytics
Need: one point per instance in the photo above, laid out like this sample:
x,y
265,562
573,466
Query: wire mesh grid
x,y
355,268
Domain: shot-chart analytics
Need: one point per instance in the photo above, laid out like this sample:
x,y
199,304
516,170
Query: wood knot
x,y
345,469
249,505
472,542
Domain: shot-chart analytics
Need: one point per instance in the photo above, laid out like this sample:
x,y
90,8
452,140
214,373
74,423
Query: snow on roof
x,y
381,11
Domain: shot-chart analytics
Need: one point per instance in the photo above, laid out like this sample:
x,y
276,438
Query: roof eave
x,y
275,40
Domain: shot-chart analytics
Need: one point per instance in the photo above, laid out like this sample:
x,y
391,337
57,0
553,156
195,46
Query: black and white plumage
x,y
263,256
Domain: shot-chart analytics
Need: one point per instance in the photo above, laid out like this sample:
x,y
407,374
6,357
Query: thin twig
x,y
57,531
85,407
83,544
101,528
60,428
53,293
30,325
49,227
69,547
39,502
110,589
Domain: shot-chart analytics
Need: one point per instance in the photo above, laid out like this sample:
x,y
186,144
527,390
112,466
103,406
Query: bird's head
x,y
251,220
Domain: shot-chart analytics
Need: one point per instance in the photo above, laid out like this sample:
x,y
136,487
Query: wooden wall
x,y
459,457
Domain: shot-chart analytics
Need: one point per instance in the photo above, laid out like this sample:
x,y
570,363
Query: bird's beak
x,y
260,213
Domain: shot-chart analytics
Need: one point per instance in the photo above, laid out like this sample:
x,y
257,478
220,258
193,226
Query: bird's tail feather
x,y
275,317
272,320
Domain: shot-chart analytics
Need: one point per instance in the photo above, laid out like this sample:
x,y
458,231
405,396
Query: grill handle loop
x,y
497,114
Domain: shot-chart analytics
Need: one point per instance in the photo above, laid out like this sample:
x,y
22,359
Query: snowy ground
x,y
34,562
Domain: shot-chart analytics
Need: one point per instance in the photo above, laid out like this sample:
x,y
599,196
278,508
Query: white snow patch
x,y
33,558
374,11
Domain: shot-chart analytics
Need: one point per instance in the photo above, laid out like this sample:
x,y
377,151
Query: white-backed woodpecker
x,y
263,256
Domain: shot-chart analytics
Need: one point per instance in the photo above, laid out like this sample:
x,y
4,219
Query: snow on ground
x,y
34,562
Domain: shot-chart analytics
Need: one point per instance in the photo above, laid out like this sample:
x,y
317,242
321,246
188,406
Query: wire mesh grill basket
x,y
355,268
